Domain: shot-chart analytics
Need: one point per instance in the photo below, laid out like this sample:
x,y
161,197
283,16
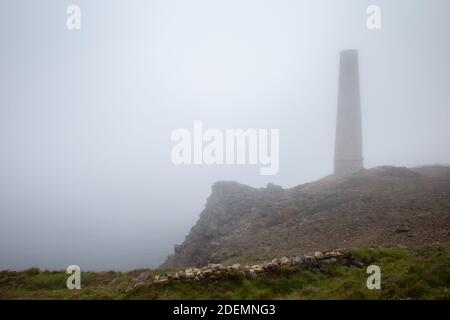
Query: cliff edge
x,y
384,206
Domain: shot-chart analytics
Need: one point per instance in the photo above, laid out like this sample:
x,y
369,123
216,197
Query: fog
x,y
86,116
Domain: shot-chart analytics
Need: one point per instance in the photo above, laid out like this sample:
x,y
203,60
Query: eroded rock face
x,y
362,210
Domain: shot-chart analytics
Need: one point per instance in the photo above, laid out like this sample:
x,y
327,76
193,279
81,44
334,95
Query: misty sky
x,y
86,116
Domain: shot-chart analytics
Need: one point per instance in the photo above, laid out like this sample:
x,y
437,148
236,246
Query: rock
x,y
298,260
285,261
170,275
176,276
207,272
257,268
160,279
318,255
332,254
268,265
191,272
310,260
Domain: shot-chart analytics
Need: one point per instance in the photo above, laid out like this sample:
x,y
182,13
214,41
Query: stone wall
x,y
314,262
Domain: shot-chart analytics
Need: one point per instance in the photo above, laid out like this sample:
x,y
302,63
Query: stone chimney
x,y
348,157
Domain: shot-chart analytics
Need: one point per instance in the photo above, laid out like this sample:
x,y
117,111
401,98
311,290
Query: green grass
x,y
405,274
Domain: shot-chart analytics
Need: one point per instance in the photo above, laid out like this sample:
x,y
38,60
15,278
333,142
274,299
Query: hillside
x,y
384,206
406,274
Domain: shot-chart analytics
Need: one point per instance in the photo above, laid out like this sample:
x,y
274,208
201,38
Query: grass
x,y
405,274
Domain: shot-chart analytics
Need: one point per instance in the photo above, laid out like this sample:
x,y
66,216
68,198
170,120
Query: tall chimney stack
x,y
348,157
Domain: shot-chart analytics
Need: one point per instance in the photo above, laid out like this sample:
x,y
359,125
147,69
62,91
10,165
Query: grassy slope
x,y
423,274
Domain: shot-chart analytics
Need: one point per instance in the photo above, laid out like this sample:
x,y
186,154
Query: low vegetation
x,y
405,274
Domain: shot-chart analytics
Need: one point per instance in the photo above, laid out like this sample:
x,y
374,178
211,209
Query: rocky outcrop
x,y
385,206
